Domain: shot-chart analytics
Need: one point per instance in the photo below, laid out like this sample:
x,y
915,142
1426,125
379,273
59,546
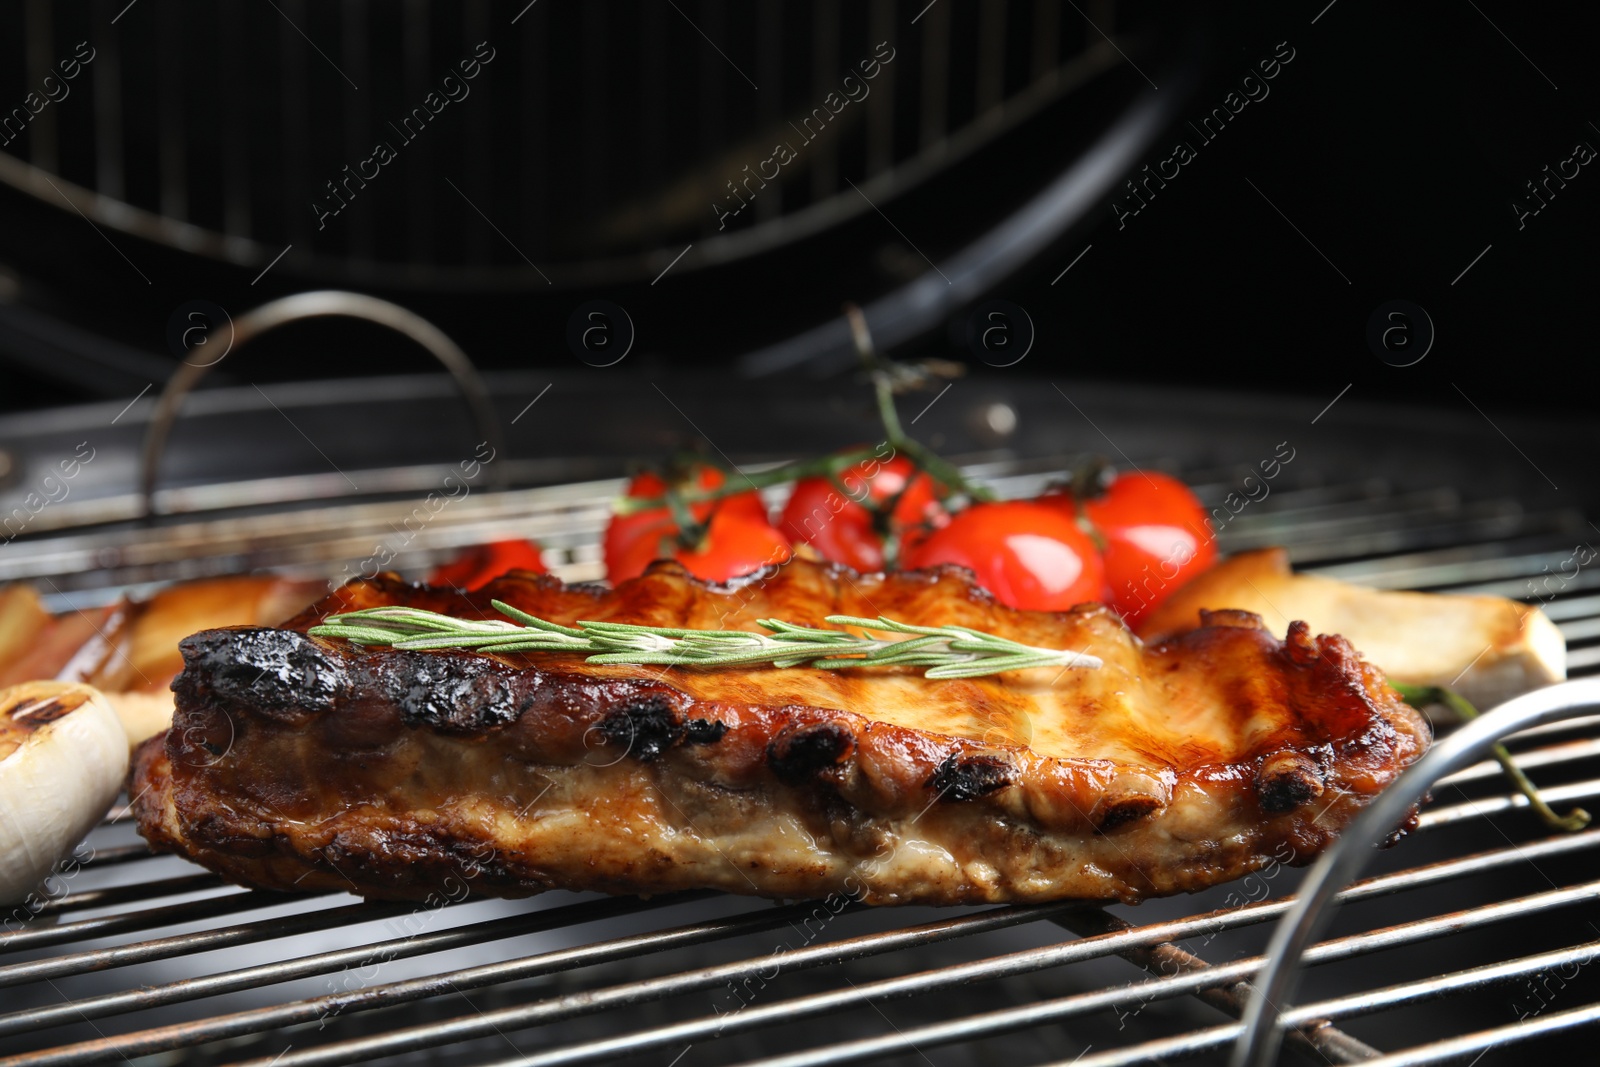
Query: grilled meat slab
x,y
302,763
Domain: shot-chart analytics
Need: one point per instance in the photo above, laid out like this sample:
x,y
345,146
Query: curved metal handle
x,y
923,305
318,304
1304,922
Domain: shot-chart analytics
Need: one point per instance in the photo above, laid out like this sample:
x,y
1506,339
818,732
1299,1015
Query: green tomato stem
x,y
924,458
916,451
1420,696
822,466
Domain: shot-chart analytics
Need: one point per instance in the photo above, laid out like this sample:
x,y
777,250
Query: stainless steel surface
x,y
148,960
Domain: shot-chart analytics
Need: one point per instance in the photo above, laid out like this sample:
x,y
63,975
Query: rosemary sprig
x,y
942,651
1420,696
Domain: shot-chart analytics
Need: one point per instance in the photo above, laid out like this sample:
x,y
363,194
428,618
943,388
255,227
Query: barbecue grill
x,y
194,146
600,145
1471,938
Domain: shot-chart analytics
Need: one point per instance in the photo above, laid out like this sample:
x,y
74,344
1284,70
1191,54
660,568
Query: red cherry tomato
x,y
840,527
478,564
739,539
735,544
1029,555
632,541
1155,536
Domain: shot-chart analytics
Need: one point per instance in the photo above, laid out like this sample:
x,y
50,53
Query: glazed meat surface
x,y
305,763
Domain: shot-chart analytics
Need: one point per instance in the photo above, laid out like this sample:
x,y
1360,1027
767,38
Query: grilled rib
x,y
305,763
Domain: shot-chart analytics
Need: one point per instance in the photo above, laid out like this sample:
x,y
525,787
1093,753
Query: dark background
x,y
1391,149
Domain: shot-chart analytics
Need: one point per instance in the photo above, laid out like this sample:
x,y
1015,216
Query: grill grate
x,y
1475,920
331,81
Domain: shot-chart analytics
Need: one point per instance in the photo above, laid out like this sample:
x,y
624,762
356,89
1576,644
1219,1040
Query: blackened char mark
x,y
1285,794
968,779
1286,780
37,712
1125,810
456,692
647,726
267,670
703,731
795,755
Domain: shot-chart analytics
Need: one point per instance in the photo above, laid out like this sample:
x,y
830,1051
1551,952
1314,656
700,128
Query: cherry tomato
x,y
478,564
632,541
1029,555
739,539
1155,539
735,544
840,527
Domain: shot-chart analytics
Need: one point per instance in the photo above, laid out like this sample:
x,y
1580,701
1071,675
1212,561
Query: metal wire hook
x,y
318,304
1258,1045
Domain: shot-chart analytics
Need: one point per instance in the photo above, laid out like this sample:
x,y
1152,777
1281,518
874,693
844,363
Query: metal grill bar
x,y
1550,756
1577,607
170,1037
1457,566
1058,1009
1483,1040
1583,658
1526,589
1016,963
1472,809
568,516
573,512
325,962
1362,514
1453,982
123,894
106,857
1333,1046
633,993
1580,629
169,915
1377,1000
199,941
1478,523
120,813
821,1004
1587,722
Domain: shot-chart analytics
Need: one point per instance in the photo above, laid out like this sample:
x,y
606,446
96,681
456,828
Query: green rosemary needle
x,y
941,651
